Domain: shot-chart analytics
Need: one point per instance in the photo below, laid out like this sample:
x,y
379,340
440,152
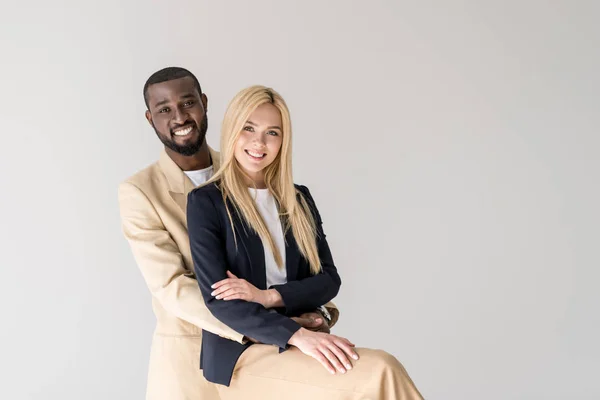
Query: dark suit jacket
x,y
214,252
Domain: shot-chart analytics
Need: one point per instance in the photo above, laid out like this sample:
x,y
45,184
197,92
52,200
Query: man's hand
x,y
234,288
333,352
313,321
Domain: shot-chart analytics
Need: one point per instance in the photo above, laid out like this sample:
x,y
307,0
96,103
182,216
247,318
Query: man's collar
x,y
178,181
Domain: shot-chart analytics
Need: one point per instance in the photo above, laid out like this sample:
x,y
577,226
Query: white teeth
x,y
183,132
257,155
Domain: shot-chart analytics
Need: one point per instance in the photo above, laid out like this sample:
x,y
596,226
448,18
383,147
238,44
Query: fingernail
x,y
218,297
212,286
343,371
212,294
348,366
332,371
355,357
318,320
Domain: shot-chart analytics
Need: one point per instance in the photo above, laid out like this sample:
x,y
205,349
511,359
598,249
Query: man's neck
x,y
197,161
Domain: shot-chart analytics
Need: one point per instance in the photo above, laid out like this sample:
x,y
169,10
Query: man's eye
x,y
188,103
249,128
163,110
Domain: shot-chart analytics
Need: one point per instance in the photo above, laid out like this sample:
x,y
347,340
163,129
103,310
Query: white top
x,y
200,176
265,202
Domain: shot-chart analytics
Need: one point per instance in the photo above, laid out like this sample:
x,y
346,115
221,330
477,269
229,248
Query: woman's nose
x,y
259,138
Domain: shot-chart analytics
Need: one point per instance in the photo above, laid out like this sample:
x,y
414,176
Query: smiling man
x,y
152,204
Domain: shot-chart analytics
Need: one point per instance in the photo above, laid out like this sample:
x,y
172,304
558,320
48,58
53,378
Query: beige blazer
x,y
153,213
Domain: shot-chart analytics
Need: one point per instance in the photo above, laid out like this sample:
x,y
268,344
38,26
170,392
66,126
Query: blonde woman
x,y
261,257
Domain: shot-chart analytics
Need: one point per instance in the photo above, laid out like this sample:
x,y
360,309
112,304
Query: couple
x,y
237,262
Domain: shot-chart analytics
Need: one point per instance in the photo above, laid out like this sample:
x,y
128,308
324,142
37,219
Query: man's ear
x,y
204,102
149,117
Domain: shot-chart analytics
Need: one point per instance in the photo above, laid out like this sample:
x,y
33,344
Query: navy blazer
x,y
214,252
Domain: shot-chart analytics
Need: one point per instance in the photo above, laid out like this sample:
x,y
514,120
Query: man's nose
x,y
180,116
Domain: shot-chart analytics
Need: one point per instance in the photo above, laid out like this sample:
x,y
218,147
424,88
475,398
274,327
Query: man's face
x,y
177,112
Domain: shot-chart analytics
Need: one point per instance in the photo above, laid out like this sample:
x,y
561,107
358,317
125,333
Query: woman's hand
x,y
234,288
330,350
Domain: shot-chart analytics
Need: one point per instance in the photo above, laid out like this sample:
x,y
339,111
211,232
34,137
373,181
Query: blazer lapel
x,y
292,255
254,249
179,184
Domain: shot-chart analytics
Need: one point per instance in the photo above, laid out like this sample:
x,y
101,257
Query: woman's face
x,y
259,142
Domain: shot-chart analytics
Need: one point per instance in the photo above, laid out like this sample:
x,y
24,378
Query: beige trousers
x,y
262,373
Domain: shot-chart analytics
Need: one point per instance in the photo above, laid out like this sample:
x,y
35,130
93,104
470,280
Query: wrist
x,y
297,336
272,298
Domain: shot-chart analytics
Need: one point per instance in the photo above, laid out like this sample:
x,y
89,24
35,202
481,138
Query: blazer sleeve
x,y
316,290
161,263
210,265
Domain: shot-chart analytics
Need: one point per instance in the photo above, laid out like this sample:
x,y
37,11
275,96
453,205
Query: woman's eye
x,y
249,128
273,133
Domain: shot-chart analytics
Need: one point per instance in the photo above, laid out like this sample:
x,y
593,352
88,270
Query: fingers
x,y
307,322
236,296
232,278
346,346
327,352
231,293
324,361
314,320
302,321
314,317
228,286
343,339
343,359
221,283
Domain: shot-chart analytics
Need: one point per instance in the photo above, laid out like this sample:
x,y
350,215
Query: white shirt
x,y
200,176
265,202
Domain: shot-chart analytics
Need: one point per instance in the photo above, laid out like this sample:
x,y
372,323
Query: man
x,y
153,205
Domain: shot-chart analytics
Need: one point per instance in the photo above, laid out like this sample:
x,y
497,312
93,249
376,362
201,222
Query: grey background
x,y
452,147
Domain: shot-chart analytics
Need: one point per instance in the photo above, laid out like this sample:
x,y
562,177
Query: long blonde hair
x,y
278,177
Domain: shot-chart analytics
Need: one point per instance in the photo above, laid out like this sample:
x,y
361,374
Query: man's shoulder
x,y
149,183
145,179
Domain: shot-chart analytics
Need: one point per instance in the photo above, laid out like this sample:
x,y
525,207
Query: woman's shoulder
x,y
204,203
301,189
211,190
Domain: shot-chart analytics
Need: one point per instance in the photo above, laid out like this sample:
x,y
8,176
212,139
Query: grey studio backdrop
x,y
452,147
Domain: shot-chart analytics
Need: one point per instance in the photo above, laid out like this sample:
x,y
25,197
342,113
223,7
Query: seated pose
x,y
260,257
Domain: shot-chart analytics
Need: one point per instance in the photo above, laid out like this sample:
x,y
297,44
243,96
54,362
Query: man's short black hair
x,y
168,74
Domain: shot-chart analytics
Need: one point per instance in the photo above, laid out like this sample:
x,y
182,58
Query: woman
x,y
259,250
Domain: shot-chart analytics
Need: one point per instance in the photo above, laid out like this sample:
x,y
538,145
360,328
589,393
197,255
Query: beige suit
x,y
153,204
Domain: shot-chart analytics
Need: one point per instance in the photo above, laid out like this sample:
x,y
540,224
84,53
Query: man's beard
x,y
188,149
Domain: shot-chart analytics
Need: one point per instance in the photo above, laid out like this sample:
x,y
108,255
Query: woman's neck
x,y
255,179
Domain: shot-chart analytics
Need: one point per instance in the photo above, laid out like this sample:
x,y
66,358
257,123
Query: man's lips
x,y
183,131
